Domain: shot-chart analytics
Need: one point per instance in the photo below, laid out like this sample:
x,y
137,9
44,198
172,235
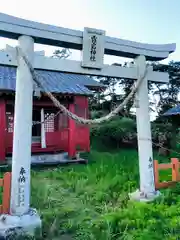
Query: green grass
x,y
89,202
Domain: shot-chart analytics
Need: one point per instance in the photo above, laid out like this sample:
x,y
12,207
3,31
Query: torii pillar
x,y
21,216
146,191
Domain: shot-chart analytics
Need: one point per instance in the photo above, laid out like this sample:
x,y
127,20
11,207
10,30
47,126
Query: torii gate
x,y
94,44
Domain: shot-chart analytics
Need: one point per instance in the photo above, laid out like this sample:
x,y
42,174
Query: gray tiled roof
x,y
173,111
56,82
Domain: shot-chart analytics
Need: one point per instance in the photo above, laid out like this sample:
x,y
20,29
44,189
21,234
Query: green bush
x,y
96,114
160,128
116,132
123,132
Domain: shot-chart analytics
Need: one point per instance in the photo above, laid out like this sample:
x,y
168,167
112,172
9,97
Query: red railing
x,y
174,165
5,182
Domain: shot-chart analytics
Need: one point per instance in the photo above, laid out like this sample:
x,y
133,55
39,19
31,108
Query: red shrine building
x,y
58,133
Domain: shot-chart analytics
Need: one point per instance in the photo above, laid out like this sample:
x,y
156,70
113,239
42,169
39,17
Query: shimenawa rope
x,y
66,111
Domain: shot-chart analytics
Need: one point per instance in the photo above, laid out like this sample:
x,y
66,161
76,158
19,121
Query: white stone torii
x,y
93,44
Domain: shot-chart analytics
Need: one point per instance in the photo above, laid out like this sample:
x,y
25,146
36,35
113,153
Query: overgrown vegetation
x,y
91,202
122,132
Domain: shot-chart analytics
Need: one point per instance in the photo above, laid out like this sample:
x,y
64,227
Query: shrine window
x,y
49,123
36,118
10,118
10,122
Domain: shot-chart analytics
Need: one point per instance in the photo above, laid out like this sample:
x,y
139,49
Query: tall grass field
x,y
90,202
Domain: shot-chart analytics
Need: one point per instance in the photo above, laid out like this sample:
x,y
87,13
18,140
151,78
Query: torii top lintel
x,y
13,27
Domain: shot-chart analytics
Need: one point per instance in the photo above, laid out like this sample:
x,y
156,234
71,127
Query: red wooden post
x,y
82,131
87,129
72,134
1,185
175,169
156,174
2,130
6,193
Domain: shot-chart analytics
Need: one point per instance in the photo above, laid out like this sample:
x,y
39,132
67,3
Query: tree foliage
x,y
168,93
162,96
62,53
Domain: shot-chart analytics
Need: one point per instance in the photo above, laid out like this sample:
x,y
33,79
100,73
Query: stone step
x,y
50,159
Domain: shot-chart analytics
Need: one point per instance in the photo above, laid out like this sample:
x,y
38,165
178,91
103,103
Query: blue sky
x,y
149,21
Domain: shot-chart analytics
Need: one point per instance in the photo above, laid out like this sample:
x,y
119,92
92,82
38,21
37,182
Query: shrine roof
x,y
56,82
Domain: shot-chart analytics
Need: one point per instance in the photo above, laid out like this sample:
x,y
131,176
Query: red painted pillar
x,y
72,132
87,127
2,131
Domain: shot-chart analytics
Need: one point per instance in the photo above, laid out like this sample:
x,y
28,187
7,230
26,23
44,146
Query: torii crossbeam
x,y
94,44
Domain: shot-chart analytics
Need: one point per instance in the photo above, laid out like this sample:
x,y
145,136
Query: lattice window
x,y
50,123
10,121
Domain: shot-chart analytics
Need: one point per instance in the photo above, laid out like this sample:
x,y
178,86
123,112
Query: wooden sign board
x,y
93,48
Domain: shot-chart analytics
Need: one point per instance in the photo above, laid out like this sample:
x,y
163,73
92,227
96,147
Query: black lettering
x,y
21,179
22,171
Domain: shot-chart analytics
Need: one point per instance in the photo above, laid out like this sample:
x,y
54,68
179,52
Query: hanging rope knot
x,y
37,79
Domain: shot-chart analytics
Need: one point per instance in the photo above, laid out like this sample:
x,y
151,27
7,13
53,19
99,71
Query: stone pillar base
x,y
141,197
14,226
